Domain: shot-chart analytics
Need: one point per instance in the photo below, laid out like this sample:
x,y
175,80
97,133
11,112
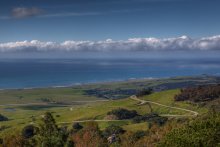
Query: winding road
x,y
142,102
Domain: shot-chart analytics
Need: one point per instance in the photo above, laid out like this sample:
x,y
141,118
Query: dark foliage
x,y
144,92
123,113
49,134
111,94
3,118
199,94
152,118
28,131
139,134
77,126
113,129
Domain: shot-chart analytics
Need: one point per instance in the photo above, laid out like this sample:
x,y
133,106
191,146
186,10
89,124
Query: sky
x,y
102,25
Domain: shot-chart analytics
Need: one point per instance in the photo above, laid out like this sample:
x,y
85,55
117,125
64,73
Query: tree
x,y
122,113
144,92
28,131
49,134
199,94
89,136
77,126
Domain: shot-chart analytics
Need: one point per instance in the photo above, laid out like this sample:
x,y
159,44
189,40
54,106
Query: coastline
x,y
85,84
109,82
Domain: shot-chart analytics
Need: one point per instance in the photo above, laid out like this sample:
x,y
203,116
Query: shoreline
x,y
108,82
84,84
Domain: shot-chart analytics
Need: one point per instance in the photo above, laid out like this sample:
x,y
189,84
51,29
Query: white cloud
x,y
69,14
133,44
22,12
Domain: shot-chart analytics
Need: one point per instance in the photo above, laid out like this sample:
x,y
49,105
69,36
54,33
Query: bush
x,y
113,129
15,140
89,136
28,131
3,118
123,113
111,117
77,126
144,92
152,118
139,134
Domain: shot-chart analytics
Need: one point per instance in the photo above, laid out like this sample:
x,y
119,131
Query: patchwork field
x,y
67,113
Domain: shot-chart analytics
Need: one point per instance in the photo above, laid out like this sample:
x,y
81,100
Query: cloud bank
x,y
22,12
183,43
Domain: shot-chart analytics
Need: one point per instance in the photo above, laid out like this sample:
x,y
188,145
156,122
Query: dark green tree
x,y
77,126
28,131
49,134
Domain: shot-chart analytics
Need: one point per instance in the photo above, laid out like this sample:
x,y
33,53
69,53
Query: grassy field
x,y
22,115
21,96
167,98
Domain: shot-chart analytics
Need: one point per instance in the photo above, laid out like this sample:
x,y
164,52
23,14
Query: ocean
x,y
35,73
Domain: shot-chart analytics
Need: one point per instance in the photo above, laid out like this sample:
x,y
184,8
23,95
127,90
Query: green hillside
x,y
23,115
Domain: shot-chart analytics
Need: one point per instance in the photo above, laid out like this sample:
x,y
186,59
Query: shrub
x,y
3,118
111,117
152,118
139,134
77,126
89,136
123,113
28,131
144,92
15,140
113,129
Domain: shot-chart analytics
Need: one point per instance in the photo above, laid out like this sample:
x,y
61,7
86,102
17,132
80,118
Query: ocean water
x,y
32,73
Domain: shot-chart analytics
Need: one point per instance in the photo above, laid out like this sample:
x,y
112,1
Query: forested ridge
x,y
199,94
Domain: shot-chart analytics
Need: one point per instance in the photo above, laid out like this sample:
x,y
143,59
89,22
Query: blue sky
x,y
109,28
61,20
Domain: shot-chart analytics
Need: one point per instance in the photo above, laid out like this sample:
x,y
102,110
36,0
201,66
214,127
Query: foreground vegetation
x,y
204,131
